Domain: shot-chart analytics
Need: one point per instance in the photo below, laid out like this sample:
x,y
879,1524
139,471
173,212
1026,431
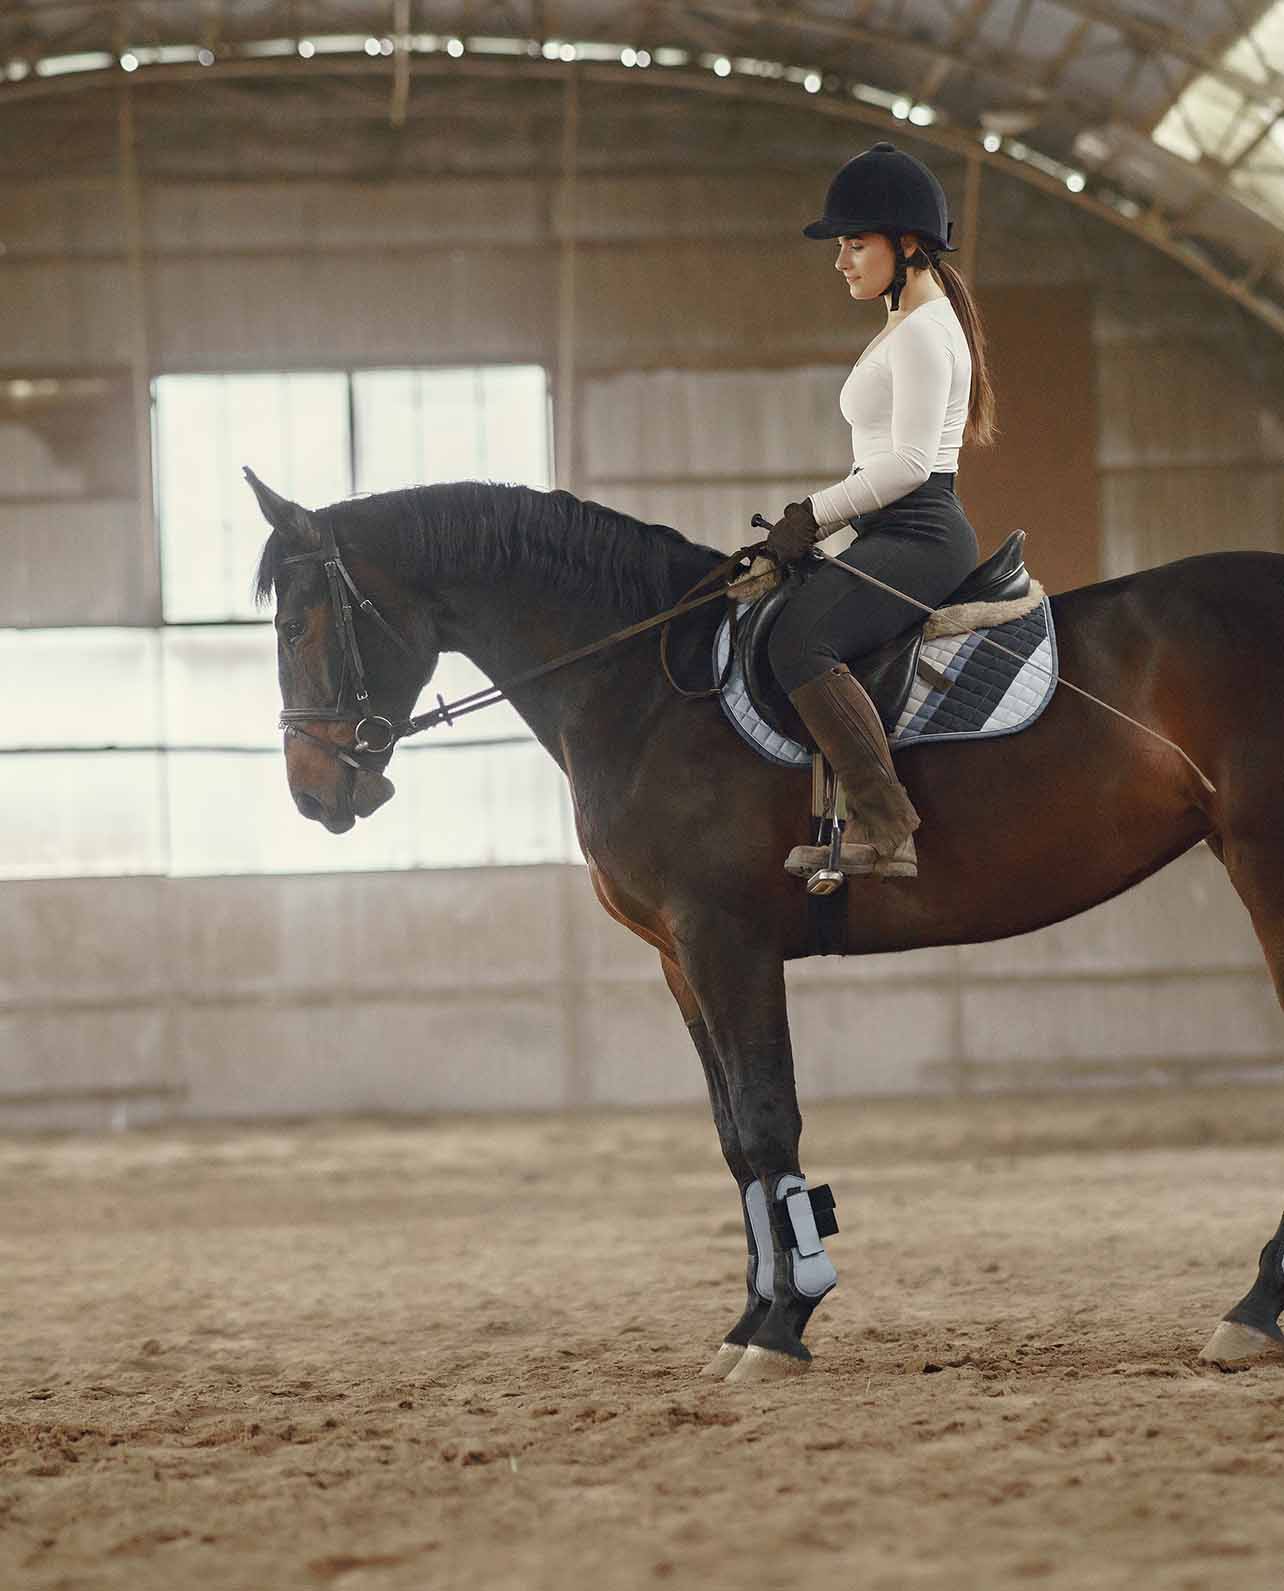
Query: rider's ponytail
x,y
981,422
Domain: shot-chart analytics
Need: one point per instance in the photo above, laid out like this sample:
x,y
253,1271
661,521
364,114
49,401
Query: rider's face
x,y
867,264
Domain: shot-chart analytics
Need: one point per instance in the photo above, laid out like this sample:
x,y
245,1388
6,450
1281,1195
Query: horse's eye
x,y
292,629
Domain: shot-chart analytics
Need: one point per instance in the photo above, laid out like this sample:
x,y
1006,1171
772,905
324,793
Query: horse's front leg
x,y
739,983
760,1272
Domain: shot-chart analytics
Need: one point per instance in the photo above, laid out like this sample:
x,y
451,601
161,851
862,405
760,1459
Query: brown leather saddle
x,y
888,673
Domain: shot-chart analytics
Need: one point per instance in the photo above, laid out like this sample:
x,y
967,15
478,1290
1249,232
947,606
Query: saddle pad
x,y
962,690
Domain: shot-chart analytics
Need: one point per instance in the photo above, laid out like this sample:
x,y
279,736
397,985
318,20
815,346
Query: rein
x,y
447,712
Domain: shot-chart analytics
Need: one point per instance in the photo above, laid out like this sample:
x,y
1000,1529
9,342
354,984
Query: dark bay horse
x,y
685,829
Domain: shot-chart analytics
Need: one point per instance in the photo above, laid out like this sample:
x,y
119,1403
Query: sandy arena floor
x,y
464,1353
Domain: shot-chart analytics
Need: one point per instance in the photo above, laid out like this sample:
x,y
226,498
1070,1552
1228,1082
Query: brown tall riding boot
x,y
846,726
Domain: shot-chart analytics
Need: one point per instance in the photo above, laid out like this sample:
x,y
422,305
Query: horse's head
x,y
354,650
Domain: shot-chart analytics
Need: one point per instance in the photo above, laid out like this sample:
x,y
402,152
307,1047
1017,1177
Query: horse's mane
x,y
479,528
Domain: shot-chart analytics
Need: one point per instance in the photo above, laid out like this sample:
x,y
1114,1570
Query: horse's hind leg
x,y
1250,1330
759,1273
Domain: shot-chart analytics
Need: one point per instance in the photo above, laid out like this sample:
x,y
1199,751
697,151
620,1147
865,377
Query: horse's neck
x,y
508,627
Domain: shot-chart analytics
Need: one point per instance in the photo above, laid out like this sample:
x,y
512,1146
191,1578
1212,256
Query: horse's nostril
x,y
310,807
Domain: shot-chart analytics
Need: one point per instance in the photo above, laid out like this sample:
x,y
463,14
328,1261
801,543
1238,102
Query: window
x,y
317,437
193,781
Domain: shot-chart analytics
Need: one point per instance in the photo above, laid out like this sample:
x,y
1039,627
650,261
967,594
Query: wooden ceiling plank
x,y
967,24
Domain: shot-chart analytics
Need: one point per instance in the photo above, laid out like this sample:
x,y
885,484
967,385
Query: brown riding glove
x,y
793,534
789,539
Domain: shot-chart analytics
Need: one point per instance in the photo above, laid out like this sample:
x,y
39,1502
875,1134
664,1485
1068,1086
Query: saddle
x,y
886,673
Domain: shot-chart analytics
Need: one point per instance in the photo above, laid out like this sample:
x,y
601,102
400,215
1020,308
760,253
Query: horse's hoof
x,y
1234,1346
724,1361
765,1364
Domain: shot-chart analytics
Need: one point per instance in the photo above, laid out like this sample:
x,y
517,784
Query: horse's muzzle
x,y
369,792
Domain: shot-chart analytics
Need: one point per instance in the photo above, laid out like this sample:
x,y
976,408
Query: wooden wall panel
x,y
665,424
1176,403
62,317
710,304
1154,516
1191,440
1041,475
311,312
74,562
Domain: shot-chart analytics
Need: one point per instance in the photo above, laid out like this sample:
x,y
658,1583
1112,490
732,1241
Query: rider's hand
x,y
763,575
794,532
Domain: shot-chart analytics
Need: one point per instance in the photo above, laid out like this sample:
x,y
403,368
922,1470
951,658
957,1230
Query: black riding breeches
x,y
922,544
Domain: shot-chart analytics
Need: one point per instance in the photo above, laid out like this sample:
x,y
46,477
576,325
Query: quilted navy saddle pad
x,y
962,688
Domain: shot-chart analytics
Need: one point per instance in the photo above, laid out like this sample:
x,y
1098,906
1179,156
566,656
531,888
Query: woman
x,y
919,390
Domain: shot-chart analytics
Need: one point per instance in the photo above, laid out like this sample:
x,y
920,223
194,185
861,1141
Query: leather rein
x,y
375,735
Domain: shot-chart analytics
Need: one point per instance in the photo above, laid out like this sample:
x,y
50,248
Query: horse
x,y
684,828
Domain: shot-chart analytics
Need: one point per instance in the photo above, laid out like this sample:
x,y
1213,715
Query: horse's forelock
x,y
265,575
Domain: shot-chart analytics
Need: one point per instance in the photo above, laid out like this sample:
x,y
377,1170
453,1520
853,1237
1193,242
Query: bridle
x,y
374,734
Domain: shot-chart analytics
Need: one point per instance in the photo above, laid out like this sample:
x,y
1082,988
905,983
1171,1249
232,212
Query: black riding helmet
x,y
885,190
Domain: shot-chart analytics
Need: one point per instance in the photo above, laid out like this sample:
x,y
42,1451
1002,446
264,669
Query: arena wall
x,y
1145,421
124,1001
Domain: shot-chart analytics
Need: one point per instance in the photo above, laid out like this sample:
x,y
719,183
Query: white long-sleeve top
x,y
906,401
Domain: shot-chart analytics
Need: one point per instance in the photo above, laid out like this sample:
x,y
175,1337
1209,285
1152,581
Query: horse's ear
x,y
290,521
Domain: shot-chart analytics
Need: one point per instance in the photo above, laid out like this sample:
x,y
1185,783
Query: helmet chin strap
x,y
898,275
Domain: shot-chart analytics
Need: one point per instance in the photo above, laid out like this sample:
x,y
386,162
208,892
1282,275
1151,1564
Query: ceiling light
x,y
307,49
454,48
812,82
900,109
722,67
992,142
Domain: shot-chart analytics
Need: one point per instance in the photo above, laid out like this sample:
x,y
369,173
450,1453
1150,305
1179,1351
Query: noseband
x,y
374,734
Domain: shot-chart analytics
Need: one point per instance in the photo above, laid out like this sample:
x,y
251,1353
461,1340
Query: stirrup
x,y
825,881
857,859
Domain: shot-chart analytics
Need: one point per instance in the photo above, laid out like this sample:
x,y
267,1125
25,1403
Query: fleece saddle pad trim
x,y
962,689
